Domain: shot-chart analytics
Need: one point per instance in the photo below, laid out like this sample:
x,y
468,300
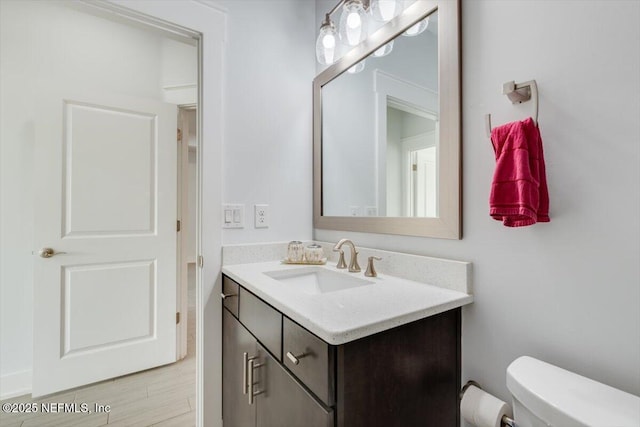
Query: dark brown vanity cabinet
x,y
257,389
406,376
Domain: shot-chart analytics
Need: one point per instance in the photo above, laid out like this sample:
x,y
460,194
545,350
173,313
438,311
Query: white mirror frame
x,y
448,223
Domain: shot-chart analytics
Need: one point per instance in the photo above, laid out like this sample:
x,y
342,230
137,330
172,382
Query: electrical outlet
x,y
355,211
261,216
232,216
371,211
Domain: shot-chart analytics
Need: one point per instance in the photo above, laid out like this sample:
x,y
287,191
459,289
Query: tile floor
x,y
163,397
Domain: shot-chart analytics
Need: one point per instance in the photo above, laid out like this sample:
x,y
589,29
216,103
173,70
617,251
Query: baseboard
x,y
15,384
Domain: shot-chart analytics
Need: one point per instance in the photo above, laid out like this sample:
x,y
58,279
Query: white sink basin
x,y
317,280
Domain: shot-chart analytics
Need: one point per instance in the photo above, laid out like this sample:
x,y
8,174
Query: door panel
x,y
109,160
89,326
105,304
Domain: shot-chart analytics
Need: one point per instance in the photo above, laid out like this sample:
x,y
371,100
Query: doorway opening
x,y
100,165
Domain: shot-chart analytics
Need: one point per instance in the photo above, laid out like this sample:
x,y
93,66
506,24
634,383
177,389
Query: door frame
x,y
204,21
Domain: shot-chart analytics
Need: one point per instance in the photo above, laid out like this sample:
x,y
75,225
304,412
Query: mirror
x,y
386,130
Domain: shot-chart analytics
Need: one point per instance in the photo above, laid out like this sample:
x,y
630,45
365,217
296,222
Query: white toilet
x,y
545,395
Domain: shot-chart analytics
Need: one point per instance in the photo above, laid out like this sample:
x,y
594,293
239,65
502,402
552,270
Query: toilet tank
x,y
545,395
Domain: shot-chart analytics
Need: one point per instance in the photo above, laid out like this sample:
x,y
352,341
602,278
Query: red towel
x,y
519,194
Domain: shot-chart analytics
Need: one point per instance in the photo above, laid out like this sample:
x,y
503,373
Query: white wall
x,y
45,45
567,292
267,105
179,72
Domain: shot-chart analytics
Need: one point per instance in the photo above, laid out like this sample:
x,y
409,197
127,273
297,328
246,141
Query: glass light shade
x,y
327,45
418,28
385,10
356,68
353,23
384,50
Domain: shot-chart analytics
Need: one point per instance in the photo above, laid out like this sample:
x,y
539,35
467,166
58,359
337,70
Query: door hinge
x,y
177,318
414,167
200,261
178,225
179,135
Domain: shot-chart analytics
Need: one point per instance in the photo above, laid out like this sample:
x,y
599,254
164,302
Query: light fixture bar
x,y
365,4
340,3
353,29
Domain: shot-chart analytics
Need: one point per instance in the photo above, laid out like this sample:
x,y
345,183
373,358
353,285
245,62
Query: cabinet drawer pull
x,y
225,296
295,359
245,361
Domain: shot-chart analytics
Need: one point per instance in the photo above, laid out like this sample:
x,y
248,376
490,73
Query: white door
x,y
424,176
105,304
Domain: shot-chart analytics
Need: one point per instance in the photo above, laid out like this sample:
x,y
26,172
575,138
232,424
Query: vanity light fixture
x,y
356,68
385,10
327,43
353,23
358,16
418,28
384,50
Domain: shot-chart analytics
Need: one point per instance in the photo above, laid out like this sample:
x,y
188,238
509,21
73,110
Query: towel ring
x,y
517,94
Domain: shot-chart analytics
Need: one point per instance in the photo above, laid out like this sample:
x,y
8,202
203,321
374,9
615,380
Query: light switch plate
x,y
232,216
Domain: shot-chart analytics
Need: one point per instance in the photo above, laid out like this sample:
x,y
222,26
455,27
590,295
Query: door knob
x,y
48,252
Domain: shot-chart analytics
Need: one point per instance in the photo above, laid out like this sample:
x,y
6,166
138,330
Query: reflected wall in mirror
x,y
387,130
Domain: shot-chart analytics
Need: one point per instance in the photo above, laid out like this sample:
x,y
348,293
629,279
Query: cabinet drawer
x,y
231,289
262,321
315,360
283,402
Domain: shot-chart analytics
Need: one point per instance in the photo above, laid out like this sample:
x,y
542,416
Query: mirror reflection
x,y
380,131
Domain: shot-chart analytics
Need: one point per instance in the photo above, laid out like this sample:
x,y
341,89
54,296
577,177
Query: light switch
x,y
232,216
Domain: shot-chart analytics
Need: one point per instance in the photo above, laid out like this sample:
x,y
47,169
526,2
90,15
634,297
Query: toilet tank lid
x,y
561,398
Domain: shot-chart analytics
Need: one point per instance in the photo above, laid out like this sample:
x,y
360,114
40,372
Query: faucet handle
x,y
341,263
371,270
354,267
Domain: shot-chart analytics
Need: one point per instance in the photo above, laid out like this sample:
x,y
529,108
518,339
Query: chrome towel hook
x,y
517,94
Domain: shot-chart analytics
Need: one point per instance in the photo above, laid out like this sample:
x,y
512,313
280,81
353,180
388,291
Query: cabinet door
x,y
236,340
283,402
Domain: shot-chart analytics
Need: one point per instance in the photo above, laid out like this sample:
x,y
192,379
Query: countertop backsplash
x,y
449,274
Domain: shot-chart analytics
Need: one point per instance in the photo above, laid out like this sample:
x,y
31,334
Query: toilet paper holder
x,y
506,421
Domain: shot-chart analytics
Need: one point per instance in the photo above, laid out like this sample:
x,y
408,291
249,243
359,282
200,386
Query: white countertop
x,y
346,315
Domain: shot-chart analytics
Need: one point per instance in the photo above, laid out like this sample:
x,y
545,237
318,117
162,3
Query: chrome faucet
x,y
353,262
